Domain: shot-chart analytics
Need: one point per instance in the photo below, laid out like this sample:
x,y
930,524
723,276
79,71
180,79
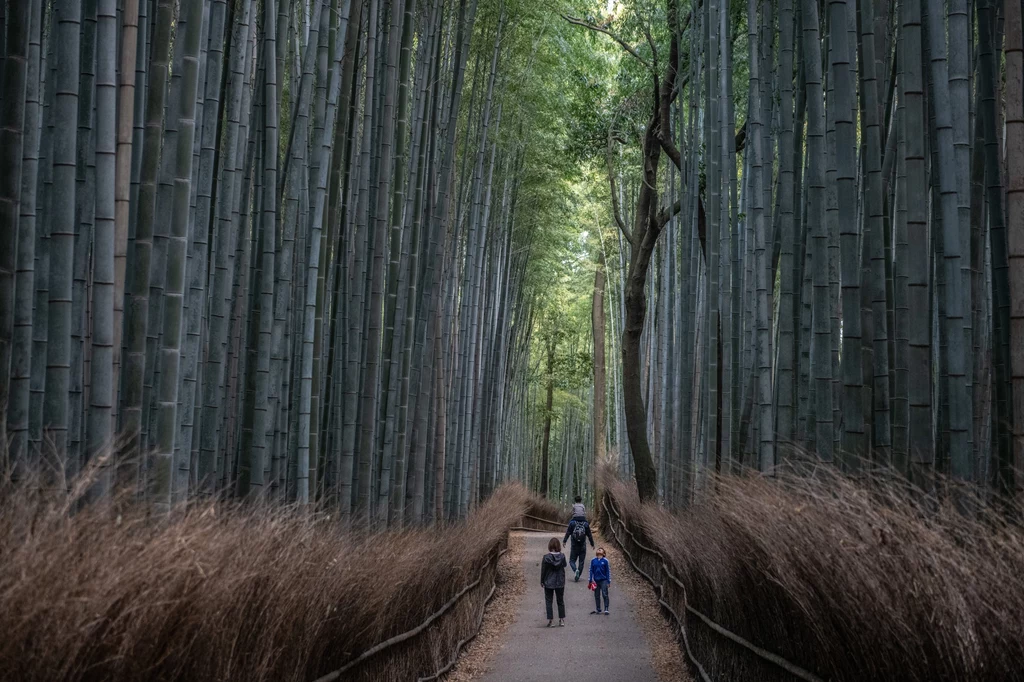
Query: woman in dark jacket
x,y
552,578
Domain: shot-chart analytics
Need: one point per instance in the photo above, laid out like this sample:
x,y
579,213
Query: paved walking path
x,y
589,647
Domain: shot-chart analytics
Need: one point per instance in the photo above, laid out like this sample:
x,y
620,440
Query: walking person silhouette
x,y
552,579
579,531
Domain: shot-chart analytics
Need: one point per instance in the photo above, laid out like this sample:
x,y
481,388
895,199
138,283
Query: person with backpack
x,y
579,531
552,579
600,579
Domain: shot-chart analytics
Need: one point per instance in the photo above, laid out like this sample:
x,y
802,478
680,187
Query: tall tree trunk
x,y
137,313
955,352
1003,474
363,428
821,361
713,140
921,443
99,429
854,447
227,235
598,321
1014,50
126,98
197,322
877,227
14,79
785,385
647,225
762,263
313,268
26,319
548,414
62,227
162,472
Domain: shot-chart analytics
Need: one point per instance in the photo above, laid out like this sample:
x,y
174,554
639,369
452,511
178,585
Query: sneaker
x,y
577,578
606,612
579,572
594,612
549,623
561,623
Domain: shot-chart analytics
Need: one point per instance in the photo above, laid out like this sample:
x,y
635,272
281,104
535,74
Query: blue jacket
x,y
600,570
572,526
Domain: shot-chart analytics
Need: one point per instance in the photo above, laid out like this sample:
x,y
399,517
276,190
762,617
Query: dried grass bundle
x,y
224,591
853,580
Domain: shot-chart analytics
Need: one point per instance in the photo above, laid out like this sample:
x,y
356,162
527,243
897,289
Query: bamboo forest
x,y
318,314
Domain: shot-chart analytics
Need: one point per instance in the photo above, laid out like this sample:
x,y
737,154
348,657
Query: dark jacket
x,y
572,526
552,570
600,570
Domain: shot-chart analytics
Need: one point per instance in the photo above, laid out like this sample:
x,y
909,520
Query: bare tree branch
x,y
674,154
601,29
654,49
666,214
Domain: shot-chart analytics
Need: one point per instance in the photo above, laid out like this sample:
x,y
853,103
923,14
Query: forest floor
x,y
633,643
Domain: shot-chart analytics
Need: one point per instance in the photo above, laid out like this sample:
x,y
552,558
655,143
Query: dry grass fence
x,y
543,514
849,581
233,592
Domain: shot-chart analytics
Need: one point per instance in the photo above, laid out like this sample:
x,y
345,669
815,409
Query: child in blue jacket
x,y
601,576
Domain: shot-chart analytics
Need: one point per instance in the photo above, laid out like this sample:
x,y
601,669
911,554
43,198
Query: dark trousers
x,y
559,593
602,589
577,554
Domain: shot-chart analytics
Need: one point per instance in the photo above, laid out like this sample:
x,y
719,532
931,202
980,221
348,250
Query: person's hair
x,y
600,550
554,545
579,498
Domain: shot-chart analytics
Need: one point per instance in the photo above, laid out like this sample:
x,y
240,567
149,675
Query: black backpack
x,y
579,532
